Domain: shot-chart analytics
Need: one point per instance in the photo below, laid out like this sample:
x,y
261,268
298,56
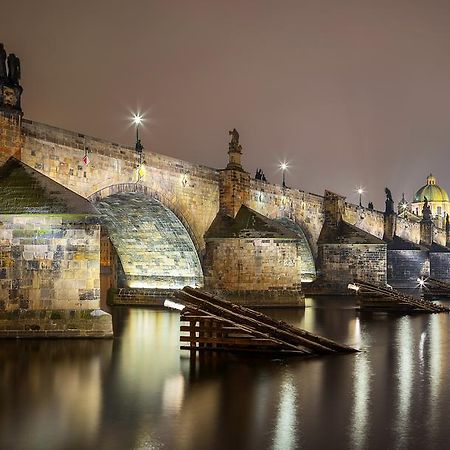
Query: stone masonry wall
x,y
405,266
234,190
365,219
252,264
154,248
303,208
440,266
10,136
408,230
342,263
191,191
47,262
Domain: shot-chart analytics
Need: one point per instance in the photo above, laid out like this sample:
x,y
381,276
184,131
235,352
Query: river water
x,y
139,392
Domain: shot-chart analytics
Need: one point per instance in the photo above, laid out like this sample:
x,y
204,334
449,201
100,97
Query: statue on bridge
x,y
13,69
2,62
389,202
426,211
234,143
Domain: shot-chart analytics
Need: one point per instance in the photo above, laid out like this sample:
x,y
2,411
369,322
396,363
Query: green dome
x,y
431,191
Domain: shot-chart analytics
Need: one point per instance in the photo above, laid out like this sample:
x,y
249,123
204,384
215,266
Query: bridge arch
x,y
308,263
154,243
166,201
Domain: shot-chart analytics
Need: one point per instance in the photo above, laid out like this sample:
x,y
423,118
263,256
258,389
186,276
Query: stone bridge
x,y
183,199
80,215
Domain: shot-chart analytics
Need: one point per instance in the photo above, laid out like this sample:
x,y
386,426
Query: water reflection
x,y
48,390
139,391
361,402
405,372
285,428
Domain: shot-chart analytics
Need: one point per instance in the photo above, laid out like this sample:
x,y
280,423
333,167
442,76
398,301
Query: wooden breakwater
x,y
209,323
385,298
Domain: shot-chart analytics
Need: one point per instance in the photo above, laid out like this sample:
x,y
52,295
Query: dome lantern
x,y
432,191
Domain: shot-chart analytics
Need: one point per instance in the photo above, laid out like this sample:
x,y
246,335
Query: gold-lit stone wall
x,y
234,190
48,262
10,136
252,264
191,191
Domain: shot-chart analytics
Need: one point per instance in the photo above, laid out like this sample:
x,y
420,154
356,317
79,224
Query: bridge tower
x,y
10,107
234,184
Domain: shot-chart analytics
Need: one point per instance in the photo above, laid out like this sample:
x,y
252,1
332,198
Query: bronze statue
x,y
426,211
2,62
389,202
13,69
234,143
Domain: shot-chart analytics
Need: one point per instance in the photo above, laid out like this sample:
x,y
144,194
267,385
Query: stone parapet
x,y
139,297
56,324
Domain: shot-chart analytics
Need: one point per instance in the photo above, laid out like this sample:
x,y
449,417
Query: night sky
x,y
349,92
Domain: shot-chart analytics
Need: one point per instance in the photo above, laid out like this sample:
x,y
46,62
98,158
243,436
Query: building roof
x,y
345,233
24,190
398,243
247,224
431,191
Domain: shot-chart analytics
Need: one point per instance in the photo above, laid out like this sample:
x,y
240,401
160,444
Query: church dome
x,y
431,191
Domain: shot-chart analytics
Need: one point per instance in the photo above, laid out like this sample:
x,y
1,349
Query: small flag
x,y
86,159
141,172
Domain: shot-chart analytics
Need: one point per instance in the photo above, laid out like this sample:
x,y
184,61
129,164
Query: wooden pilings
x,y
436,288
384,298
213,324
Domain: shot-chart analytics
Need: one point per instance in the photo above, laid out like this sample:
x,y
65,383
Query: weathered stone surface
x,y
347,253
55,324
440,265
26,191
11,140
154,248
48,263
407,261
253,259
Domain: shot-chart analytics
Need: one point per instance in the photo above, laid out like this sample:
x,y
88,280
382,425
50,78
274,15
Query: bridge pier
x,y
49,259
249,258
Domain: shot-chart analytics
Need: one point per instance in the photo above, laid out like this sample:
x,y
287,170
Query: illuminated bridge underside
x,y
308,266
153,246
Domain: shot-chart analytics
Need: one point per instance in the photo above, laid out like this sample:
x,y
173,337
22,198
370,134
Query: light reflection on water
x,y
138,391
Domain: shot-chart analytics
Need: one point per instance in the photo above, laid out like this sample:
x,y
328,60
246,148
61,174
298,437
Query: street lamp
x,y
137,120
283,167
360,191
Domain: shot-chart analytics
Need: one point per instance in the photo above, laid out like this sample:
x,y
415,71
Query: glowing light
x,y
173,305
353,287
284,166
360,191
421,282
137,119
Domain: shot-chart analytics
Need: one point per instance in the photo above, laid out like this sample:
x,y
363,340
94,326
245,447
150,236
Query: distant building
x,y
437,199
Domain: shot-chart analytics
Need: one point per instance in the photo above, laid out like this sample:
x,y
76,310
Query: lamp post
x,y
137,120
360,191
283,167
